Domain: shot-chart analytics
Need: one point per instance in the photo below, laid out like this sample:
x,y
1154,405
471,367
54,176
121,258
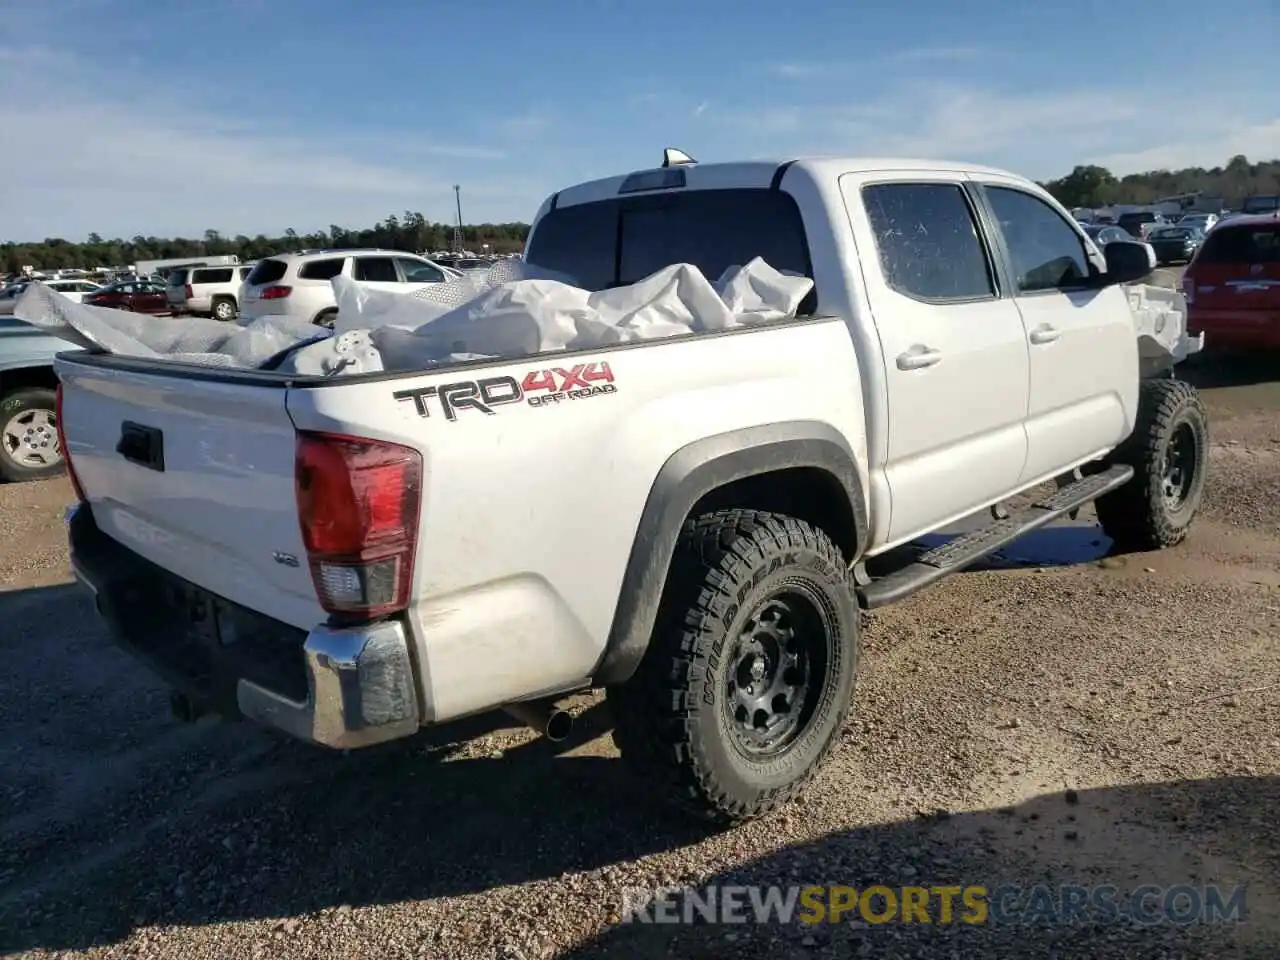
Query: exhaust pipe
x,y
542,716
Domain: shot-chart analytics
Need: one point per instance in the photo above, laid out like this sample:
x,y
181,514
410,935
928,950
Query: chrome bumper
x,y
361,690
360,681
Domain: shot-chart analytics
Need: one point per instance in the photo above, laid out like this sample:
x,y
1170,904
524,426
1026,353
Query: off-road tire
x,y
1138,516
13,404
227,307
670,718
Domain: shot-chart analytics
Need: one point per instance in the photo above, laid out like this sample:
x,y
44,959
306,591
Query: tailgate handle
x,y
141,445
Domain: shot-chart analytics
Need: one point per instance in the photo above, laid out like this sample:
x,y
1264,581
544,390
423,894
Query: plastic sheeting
x,y
511,311
187,339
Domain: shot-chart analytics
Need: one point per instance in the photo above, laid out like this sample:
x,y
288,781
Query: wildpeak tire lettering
x,y
546,387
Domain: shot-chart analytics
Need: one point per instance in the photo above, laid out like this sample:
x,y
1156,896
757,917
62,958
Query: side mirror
x,y
1127,261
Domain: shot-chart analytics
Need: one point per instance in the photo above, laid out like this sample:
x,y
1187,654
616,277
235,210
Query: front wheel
x,y
1168,450
749,674
29,448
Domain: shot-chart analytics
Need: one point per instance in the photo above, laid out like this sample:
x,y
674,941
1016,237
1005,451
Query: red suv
x,y
1232,285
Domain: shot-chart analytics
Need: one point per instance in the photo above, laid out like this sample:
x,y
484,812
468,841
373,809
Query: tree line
x,y
410,232
1094,186
1085,186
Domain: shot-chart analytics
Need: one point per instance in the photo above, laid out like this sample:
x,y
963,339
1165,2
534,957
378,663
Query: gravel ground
x,y
1107,720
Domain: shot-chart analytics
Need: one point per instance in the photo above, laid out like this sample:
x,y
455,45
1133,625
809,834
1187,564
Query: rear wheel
x,y
325,318
29,448
224,310
749,674
1168,451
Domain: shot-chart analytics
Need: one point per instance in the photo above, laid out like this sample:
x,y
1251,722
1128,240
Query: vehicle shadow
x,y
117,816
1192,835
1212,370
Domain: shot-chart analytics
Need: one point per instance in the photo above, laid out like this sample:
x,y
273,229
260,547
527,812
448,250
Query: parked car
x,y
298,285
207,291
1232,286
29,445
1175,244
1205,221
1102,234
75,290
1139,223
348,559
140,296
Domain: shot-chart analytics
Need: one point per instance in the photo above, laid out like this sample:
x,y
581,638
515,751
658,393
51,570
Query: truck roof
x,y
761,173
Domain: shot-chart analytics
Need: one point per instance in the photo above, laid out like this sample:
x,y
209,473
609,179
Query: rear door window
x,y
1242,245
376,270
928,241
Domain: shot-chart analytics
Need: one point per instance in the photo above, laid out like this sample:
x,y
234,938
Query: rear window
x,y
1167,234
613,242
1242,244
178,278
268,271
320,269
1261,204
212,275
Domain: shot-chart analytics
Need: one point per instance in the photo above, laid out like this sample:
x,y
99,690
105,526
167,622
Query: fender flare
x,y
690,473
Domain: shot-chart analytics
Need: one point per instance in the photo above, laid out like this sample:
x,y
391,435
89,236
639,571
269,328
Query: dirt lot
x,y
1100,722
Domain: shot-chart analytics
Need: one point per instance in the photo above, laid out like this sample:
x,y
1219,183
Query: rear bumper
x,y
338,687
1236,328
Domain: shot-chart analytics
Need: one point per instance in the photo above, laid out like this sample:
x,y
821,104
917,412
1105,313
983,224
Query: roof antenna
x,y
671,157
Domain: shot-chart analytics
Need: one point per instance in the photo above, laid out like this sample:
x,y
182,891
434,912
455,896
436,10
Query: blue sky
x,y
245,116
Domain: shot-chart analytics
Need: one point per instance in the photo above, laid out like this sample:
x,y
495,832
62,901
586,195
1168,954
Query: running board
x,y
968,548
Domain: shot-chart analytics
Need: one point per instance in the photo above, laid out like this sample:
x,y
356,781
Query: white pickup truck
x,y
685,522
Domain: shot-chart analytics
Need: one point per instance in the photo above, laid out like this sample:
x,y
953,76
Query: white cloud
x,y
1041,134
81,155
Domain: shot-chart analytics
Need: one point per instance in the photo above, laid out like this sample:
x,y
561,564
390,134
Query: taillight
x,y
275,293
358,502
1189,288
66,451
189,294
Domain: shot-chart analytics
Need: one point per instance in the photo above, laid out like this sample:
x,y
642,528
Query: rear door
x,y
150,298
955,358
203,487
1081,342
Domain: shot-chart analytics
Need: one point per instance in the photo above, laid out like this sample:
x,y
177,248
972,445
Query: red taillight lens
x,y
276,293
62,445
189,294
358,503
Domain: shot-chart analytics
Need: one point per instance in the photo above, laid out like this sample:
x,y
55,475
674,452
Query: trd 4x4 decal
x,y
538,388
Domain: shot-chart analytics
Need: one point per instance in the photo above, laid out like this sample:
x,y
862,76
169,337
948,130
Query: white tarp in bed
x,y
512,311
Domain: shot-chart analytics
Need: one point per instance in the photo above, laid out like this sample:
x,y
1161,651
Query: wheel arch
x,y
804,468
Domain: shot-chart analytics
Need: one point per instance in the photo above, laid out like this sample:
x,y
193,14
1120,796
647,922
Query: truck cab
x,y
988,352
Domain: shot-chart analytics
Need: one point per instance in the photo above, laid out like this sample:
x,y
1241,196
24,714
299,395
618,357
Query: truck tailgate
x,y
196,476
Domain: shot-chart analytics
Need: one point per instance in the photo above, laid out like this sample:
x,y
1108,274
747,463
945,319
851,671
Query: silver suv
x,y
207,291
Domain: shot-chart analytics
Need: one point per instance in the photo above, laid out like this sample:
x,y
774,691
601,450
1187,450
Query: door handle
x,y
1044,334
918,357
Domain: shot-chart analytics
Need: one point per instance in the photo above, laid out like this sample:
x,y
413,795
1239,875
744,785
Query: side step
x,y
968,548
